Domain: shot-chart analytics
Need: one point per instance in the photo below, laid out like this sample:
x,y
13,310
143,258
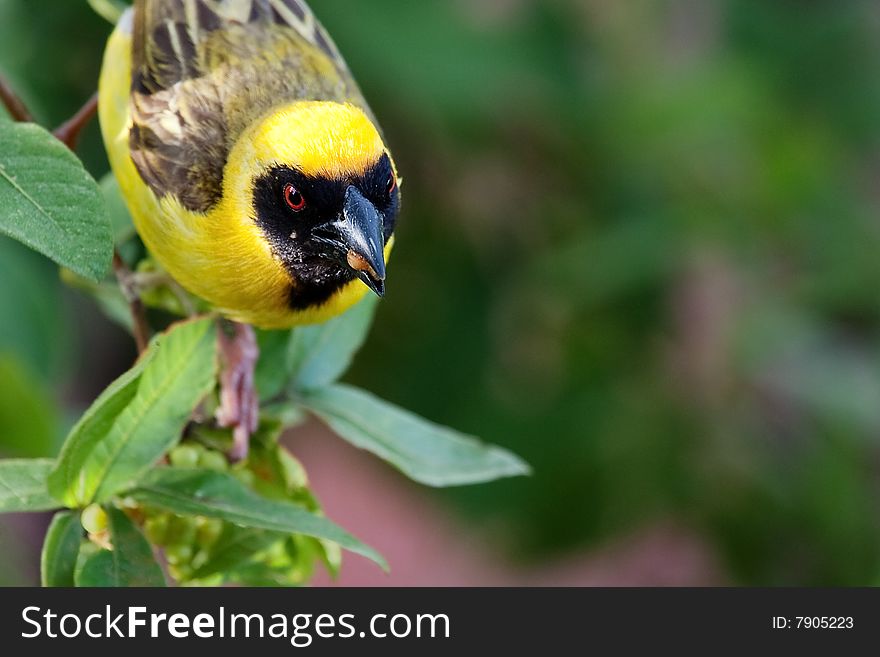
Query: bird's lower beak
x,y
362,233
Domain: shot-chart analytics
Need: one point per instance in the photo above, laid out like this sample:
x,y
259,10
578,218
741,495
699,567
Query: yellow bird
x,y
253,168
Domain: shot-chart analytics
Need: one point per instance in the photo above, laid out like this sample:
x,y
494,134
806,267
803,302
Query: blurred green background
x,y
640,247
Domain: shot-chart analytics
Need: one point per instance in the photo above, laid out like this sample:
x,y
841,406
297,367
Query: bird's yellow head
x,y
316,179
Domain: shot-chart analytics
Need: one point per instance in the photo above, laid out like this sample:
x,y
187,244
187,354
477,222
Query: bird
x,y
254,170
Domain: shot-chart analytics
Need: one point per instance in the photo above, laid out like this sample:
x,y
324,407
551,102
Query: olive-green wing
x,y
203,69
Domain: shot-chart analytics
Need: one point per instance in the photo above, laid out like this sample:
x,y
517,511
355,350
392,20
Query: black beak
x,y
362,231
356,239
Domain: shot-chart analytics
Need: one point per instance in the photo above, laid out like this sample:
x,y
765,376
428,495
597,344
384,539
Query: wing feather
x,y
200,72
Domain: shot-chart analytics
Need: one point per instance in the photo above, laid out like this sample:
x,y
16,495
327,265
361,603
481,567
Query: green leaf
x,y
218,495
319,355
181,373
95,569
61,549
129,563
235,547
133,561
50,203
424,451
140,417
278,474
330,555
69,481
270,379
23,485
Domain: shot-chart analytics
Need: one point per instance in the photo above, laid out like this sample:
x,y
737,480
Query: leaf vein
x,y
32,201
125,438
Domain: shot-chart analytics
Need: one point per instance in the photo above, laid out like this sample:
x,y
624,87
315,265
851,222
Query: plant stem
x,y
125,278
68,132
17,109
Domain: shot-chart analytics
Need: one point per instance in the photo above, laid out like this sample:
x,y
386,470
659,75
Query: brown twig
x,y
17,109
68,132
140,328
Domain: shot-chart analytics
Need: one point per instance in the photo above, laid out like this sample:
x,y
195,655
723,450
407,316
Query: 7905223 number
x,y
824,622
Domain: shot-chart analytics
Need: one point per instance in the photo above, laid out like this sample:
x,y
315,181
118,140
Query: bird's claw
x,y
239,403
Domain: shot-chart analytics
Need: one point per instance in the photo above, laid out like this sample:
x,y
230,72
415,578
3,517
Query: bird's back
x,y
204,70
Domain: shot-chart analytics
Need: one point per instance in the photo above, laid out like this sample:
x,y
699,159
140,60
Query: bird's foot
x,y
239,403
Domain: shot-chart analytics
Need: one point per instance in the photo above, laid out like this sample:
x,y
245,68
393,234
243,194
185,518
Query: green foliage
x,y
319,355
23,485
633,216
234,548
139,417
425,452
638,247
61,549
50,202
66,481
128,562
255,522
218,495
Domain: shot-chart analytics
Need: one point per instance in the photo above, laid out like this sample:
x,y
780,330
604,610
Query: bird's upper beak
x,y
360,234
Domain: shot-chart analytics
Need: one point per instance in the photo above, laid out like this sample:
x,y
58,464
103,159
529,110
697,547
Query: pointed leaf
x,y
424,451
61,549
98,461
68,482
218,495
23,485
50,203
182,372
133,561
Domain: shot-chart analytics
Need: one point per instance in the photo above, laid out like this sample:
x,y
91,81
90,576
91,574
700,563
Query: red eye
x,y
294,199
391,185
